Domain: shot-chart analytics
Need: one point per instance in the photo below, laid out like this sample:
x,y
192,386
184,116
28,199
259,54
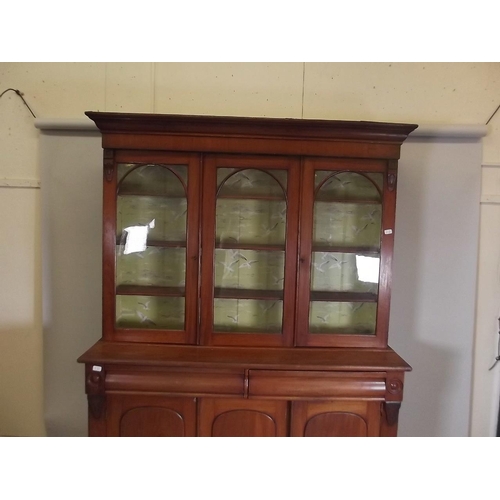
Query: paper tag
x,y
387,231
97,368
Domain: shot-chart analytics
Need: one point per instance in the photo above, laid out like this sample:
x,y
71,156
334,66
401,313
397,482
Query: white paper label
x,y
387,231
97,368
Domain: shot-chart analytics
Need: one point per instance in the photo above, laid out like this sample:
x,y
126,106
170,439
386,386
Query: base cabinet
x,y
150,416
178,391
157,416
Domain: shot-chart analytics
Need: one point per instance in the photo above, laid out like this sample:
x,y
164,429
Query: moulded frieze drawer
x,y
177,382
315,384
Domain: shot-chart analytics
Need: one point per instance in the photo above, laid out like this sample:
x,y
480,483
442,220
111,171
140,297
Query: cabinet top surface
x,y
109,122
341,359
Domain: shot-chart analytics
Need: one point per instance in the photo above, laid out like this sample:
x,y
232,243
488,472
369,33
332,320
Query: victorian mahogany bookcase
x,y
246,278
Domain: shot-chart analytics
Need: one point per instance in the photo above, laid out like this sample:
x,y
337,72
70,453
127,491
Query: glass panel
x,y
163,219
347,224
249,261
344,272
343,317
154,266
348,185
251,181
151,245
347,209
249,269
255,222
152,179
145,312
248,315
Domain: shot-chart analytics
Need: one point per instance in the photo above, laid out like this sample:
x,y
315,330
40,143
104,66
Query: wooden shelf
x,y
343,331
357,201
256,196
151,194
157,243
249,246
343,297
236,293
150,291
371,251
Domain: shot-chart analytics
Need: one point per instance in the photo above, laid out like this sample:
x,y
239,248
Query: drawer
x,y
315,384
176,381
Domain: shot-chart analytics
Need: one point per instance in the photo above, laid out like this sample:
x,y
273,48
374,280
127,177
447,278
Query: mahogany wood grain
x,y
241,293
386,254
97,401
346,249
327,359
152,422
151,416
228,125
343,296
157,243
335,419
290,385
249,246
251,135
336,424
242,418
108,246
180,381
150,291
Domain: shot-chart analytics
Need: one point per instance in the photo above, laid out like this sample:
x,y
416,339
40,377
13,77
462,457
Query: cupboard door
x,y
242,418
345,253
151,416
153,297
250,209
335,419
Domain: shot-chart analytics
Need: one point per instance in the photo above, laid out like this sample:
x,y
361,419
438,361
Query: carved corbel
x,y
392,175
109,164
94,387
394,396
392,412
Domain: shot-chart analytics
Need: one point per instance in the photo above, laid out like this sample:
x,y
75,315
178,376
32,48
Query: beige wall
x,y
423,93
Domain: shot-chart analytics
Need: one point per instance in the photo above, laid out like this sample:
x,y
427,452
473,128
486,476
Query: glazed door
x,y
151,248
347,229
249,248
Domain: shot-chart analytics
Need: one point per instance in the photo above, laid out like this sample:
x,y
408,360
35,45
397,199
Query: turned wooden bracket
x,y
94,387
246,384
392,411
109,163
393,397
97,405
392,175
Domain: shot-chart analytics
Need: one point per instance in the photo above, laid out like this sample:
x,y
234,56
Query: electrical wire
x,y
20,94
494,113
